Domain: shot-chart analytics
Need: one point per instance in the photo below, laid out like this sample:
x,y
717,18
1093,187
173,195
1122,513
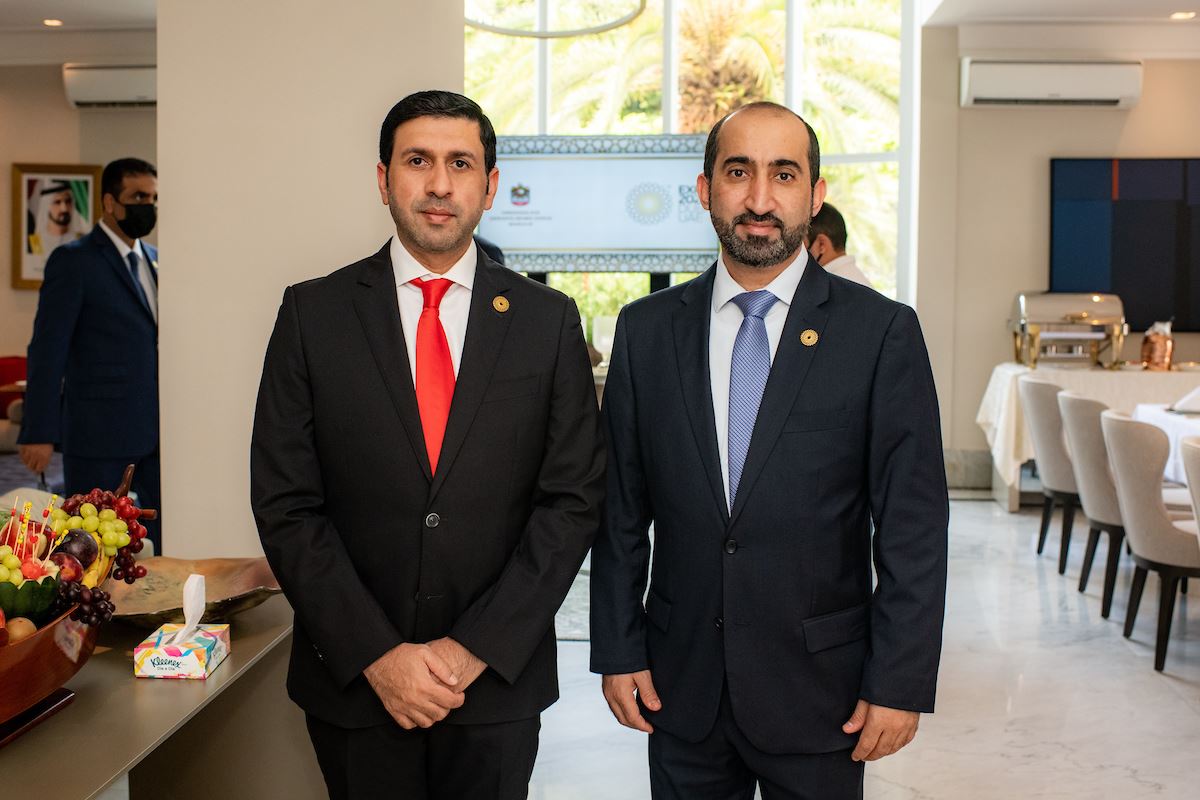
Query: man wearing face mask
x,y
827,242
93,359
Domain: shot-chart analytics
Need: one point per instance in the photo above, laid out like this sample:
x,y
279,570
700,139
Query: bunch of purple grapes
x,y
127,569
68,595
95,606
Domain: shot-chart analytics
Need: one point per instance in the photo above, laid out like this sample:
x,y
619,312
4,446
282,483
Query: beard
x,y
62,219
760,251
448,238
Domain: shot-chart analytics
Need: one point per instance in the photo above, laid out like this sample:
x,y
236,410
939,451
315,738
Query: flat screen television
x,y
1129,226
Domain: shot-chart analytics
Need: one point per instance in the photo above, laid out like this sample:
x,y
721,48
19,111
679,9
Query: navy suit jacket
x,y
93,360
775,599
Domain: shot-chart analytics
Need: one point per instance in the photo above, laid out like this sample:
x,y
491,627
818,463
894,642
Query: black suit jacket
x,y
776,597
93,359
372,550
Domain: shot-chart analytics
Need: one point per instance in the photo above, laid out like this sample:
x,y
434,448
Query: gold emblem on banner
x,y
809,338
500,303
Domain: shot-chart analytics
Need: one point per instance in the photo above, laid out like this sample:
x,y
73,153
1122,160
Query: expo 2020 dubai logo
x,y
648,203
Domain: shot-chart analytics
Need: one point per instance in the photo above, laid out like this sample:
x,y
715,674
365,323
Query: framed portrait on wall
x,y
52,204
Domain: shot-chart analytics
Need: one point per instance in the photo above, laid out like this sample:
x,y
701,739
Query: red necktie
x,y
435,371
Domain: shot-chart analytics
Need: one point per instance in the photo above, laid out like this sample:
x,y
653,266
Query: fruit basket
x,y
53,573
32,669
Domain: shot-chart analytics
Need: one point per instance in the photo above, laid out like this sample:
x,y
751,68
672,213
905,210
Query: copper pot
x,y
1156,351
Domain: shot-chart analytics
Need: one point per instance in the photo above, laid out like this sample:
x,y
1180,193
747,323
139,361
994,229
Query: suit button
x,y
432,521
731,546
719,623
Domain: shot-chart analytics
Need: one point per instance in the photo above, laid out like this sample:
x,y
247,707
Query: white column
x,y
268,126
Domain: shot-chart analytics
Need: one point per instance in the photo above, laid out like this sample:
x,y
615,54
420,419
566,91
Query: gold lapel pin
x,y
809,338
500,303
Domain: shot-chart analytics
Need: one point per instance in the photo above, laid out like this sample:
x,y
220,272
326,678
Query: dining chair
x,y
1138,454
1039,403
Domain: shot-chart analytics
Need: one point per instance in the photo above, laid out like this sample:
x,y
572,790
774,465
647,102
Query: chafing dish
x,y
1067,328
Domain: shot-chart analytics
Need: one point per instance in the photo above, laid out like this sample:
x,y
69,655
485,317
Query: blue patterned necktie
x,y
132,258
748,373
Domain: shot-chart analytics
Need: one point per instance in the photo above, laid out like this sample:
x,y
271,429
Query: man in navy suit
x,y
765,417
93,360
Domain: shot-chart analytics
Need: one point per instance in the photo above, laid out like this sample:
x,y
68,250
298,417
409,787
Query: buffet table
x,y
234,735
1004,426
1177,426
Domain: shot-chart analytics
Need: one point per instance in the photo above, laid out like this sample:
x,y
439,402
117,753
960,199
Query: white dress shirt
x,y
455,307
148,284
846,266
724,324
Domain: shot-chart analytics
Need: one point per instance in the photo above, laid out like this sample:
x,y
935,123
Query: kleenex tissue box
x,y
195,657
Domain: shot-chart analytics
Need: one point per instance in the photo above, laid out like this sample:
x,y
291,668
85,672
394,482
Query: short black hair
x,y
437,103
814,149
113,177
830,222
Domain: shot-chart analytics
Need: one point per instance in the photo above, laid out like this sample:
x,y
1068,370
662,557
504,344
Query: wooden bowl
x,y
33,668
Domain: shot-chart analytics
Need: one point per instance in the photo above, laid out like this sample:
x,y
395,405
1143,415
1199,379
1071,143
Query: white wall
x,y
268,123
986,173
37,126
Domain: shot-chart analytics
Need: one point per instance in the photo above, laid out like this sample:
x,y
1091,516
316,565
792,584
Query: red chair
x,y
12,369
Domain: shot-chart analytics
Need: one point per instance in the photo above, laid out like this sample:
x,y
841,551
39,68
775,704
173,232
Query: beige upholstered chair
x,y
1138,453
1097,492
1039,402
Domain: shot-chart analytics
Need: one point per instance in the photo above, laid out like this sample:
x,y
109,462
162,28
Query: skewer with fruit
x,y
60,563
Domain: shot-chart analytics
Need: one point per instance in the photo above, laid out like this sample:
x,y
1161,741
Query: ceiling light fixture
x,y
52,23
1180,16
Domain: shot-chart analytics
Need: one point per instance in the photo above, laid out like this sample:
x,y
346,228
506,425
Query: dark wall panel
x,y
1131,227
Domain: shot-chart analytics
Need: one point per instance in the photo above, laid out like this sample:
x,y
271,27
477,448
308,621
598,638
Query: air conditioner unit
x,y
107,86
1104,84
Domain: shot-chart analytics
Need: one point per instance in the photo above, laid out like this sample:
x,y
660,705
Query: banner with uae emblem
x,y
600,204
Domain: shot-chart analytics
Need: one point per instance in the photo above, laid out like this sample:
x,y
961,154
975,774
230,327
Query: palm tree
x,y
731,54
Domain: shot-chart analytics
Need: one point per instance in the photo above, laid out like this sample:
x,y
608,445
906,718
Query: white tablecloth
x,y
1004,425
1177,427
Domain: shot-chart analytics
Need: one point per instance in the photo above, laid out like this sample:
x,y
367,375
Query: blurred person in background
x,y
93,360
827,242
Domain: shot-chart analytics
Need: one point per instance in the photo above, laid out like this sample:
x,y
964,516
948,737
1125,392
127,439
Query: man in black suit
x,y
427,475
764,416
93,359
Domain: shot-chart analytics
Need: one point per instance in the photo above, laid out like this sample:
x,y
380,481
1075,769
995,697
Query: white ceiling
x,y
77,15
96,15
960,12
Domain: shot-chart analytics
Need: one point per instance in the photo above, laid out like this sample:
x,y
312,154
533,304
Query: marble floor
x,y
1038,697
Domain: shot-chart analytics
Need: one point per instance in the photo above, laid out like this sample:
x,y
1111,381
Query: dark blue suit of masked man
x,y
93,370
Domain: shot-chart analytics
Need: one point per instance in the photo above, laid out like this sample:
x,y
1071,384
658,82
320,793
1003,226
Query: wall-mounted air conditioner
x,y
108,86
1102,84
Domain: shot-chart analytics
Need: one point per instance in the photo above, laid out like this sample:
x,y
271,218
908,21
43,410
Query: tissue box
x,y
194,658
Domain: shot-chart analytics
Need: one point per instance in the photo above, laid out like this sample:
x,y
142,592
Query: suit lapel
x,y
378,312
113,257
792,360
691,327
486,329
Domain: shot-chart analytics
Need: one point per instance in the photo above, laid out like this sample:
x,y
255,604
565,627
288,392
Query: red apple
x,y
69,567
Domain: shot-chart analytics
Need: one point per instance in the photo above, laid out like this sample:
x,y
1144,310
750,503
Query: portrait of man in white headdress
x,y
57,209
57,219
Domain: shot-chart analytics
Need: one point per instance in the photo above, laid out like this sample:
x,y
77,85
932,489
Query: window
x,y
682,64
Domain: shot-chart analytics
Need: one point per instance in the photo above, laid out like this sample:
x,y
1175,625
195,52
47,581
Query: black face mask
x,y
139,220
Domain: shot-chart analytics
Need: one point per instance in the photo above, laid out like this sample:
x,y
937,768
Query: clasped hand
x,y
419,684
